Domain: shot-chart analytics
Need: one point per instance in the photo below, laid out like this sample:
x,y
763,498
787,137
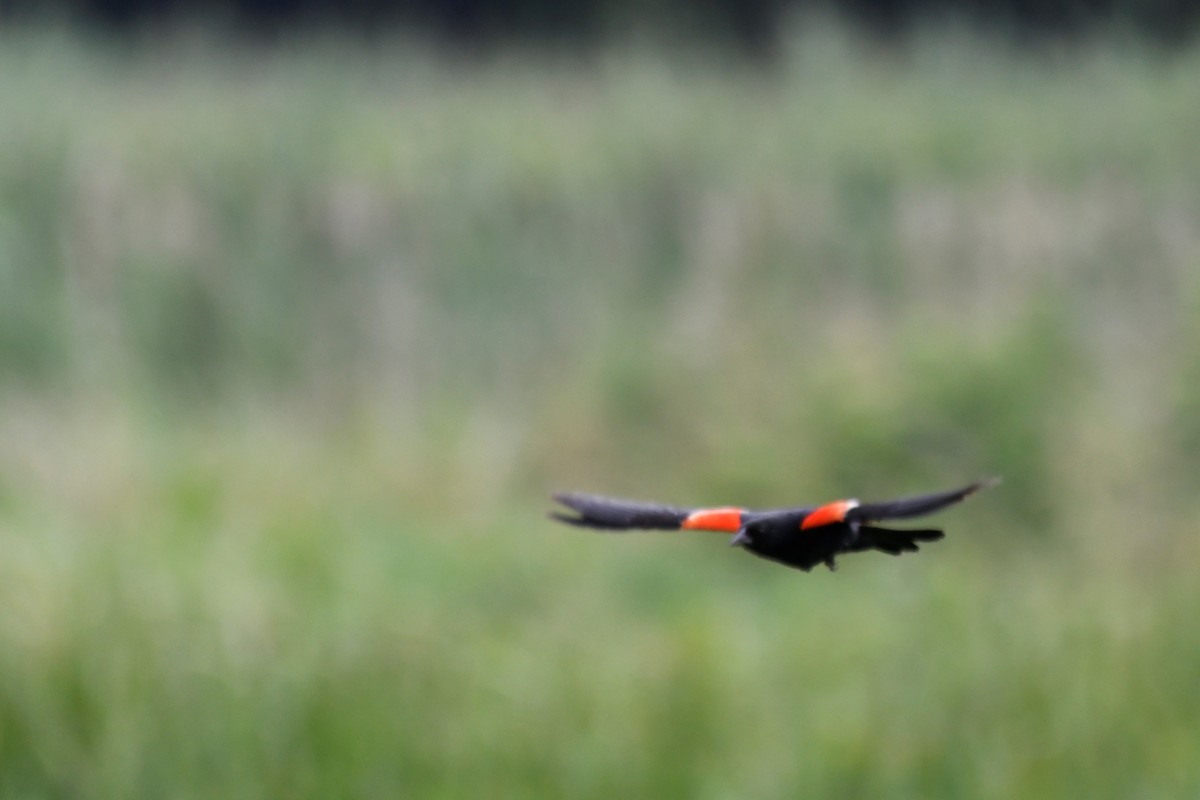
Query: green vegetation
x,y
294,345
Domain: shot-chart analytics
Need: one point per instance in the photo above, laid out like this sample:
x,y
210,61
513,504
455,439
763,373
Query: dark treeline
x,y
751,24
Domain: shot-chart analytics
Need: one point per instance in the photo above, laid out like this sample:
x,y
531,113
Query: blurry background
x,y
305,309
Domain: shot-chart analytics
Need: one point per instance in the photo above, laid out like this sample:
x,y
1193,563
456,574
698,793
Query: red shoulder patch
x,y
725,520
828,514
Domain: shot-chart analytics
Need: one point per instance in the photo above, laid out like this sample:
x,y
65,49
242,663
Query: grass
x,y
253,618
293,345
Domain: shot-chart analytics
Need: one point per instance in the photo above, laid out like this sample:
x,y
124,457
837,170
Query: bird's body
x,y
799,537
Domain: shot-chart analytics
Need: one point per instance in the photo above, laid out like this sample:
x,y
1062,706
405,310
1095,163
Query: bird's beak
x,y
740,538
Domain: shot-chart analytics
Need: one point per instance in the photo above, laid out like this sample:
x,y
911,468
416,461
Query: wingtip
x,y
563,499
989,482
569,499
558,516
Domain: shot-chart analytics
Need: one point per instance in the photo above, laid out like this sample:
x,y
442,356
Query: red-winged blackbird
x,y
799,537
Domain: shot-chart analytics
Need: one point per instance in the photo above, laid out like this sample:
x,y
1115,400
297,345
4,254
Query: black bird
x,y
799,537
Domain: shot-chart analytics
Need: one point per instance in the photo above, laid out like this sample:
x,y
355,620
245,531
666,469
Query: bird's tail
x,y
894,542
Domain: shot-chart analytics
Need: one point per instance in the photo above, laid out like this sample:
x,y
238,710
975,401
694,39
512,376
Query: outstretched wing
x,y
852,511
918,506
607,513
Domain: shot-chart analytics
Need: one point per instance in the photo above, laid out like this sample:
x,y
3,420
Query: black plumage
x,y
799,537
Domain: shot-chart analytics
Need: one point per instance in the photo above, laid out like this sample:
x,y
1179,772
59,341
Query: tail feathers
x,y
894,542
617,515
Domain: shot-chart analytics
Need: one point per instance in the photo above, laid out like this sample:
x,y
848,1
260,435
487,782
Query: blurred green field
x,y
294,344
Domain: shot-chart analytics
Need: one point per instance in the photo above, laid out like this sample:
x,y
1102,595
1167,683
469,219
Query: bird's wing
x,y
904,508
606,513
918,506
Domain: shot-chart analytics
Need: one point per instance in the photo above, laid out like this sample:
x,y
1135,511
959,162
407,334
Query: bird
x,y
800,537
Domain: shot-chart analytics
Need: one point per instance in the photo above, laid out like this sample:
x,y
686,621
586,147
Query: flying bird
x,y
799,537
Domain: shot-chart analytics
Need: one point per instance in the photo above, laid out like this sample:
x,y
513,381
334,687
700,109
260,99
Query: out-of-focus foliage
x,y
756,27
293,346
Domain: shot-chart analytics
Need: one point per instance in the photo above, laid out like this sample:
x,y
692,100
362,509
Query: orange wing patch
x,y
828,514
726,520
